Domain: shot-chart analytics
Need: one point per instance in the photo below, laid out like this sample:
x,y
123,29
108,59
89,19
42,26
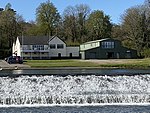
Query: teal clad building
x,y
106,49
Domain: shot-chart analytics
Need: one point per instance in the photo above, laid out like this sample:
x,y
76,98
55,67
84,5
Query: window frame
x,y
52,46
60,46
108,44
37,47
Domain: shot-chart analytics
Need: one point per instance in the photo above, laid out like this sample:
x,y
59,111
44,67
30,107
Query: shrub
x,y
146,53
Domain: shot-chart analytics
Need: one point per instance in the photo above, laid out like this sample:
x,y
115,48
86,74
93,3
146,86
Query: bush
x,y
146,53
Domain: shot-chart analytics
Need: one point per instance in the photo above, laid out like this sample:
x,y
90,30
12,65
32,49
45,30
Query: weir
x,y
87,89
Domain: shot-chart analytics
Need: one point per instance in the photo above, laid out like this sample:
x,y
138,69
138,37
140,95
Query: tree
x,y
70,24
8,24
117,32
99,25
136,25
83,12
70,28
9,29
47,17
74,22
147,3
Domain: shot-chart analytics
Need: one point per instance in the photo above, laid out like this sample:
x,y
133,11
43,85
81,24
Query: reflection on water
x,y
17,72
74,71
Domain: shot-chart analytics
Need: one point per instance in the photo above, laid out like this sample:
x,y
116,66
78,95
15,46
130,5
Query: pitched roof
x,y
34,40
97,40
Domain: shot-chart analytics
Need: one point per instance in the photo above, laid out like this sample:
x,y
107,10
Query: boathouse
x,y
106,49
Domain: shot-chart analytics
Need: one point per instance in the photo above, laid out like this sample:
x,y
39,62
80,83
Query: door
x,y
70,55
110,55
59,55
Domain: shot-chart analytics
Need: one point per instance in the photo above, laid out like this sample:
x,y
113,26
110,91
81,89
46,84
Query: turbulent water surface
x,y
71,94
89,89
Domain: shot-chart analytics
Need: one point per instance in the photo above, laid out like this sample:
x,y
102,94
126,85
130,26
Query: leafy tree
x,y
99,25
136,25
47,17
8,24
117,32
147,3
32,29
9,29
74,23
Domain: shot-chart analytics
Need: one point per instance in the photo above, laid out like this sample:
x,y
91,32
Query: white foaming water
x,y
74,90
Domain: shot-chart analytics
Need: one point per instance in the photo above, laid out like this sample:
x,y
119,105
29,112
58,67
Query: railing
x,y
35,50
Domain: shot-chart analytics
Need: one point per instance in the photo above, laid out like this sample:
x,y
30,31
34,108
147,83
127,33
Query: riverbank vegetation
x,y
77,25
112,63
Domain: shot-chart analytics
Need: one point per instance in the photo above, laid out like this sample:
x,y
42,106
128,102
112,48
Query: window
x,y
24,48
52,46
38,47
60,46
108,45
46,48
34,47
41,47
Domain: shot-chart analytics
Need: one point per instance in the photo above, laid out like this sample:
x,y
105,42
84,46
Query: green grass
x,y
130,63
121,63
59,63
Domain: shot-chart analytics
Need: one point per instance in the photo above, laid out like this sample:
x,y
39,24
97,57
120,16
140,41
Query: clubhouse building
x,y
43,47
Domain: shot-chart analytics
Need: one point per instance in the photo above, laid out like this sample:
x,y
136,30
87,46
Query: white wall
x,y
65,51
16,48
82,55
90,45
56,51
73,50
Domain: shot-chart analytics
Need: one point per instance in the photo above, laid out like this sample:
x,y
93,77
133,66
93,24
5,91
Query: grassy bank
x,y
118,63
60,63
130,64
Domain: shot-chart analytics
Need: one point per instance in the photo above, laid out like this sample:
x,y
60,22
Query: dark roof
x,y
34,40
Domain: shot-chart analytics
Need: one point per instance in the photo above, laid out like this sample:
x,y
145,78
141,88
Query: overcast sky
x,y
113,8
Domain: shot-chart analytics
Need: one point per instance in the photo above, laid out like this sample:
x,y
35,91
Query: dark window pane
x,y
52,46
60,46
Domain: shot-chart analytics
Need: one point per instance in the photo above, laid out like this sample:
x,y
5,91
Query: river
x,y
75,91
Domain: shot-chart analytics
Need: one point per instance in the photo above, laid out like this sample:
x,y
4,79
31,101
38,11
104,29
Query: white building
x,y
43,47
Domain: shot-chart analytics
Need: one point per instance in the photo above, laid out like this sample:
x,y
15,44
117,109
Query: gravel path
x,y
5,65
110,61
